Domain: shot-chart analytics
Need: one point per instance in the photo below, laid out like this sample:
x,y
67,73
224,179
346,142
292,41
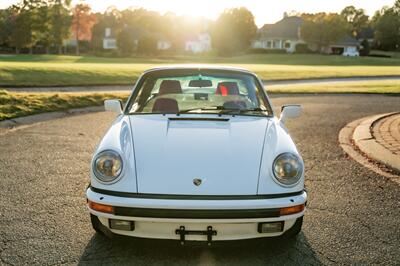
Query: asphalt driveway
x,y
352,218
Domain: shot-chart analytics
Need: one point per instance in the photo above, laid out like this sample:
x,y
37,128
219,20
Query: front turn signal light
x,y
101,207
291,210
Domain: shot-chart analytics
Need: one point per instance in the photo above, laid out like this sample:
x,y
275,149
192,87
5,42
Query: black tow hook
x,y
182,232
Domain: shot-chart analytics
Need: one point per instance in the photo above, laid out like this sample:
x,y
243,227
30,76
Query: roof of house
x,y
347,40
288,28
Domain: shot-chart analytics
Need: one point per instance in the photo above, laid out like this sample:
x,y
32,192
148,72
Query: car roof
x,y
199,67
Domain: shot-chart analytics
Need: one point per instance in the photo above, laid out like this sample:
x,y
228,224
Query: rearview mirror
x,y
200,83
290,111
113,105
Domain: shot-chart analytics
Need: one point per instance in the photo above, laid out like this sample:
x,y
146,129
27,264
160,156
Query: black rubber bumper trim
x,y
196,214
193,197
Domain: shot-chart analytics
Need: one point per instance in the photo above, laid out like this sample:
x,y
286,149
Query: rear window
x,y
197,91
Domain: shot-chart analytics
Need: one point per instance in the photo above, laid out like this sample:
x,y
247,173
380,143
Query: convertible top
x,y
199,67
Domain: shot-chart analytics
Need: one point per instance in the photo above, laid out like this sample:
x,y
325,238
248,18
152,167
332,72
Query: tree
x,y
43,25
125,41
21,35
147,45
27,24
365,48
386,24
6,26
82,23
109,19
233,31
323,29
141,18
61,21
356,18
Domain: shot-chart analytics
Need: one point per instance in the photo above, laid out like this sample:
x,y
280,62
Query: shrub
x,y
302,48
266,51
380,55
147,45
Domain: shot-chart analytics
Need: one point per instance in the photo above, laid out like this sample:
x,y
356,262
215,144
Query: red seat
x,y
165,105
227,88
169,87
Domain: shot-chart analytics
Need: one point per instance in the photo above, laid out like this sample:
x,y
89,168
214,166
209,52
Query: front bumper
x,y
232,219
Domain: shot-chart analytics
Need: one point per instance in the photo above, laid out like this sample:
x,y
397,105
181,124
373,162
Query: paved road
x,y
269,83
352,218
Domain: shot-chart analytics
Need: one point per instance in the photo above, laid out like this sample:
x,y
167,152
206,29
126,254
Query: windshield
x,y
199,91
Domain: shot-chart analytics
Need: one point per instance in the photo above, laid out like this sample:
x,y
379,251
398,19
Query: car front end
x,y
197,154
191,218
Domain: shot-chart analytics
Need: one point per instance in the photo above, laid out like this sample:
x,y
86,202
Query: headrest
x,y
227,88
165,105
170,86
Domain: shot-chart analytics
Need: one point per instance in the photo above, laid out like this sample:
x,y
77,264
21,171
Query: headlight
x,y
107,166
288,169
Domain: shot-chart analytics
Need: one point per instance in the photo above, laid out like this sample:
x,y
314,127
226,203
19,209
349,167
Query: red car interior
x,y
227,88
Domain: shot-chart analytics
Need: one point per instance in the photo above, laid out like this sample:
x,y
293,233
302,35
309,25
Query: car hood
x,y
222,155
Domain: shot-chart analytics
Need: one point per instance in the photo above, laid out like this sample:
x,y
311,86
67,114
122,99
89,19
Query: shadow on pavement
x,y
101,250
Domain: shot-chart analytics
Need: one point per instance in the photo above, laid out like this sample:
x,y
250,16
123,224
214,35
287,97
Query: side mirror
x,y
290,111
113,106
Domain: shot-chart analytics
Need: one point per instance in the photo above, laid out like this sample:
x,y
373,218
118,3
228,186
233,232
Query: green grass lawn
x,y
14,105
52,70
389,86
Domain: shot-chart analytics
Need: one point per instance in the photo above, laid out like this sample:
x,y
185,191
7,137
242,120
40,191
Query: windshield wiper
x,y
241,111
210,108
223,110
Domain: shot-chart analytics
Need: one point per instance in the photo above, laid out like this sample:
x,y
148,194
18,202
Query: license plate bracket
x,y
182,232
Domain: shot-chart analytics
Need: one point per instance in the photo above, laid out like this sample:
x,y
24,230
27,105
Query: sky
x,y
264,11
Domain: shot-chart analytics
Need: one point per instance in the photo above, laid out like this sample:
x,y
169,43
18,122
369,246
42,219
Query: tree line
x,y
48,24
323,29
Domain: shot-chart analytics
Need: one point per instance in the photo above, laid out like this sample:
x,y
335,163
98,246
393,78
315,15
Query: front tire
x,y
295,229
96,224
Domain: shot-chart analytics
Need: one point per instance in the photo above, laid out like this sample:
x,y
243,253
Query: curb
x,y
347,143
15,123
366,142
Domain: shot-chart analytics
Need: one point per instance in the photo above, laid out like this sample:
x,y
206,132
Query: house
x,y
347,46
198,44
285,34
163,44
109,41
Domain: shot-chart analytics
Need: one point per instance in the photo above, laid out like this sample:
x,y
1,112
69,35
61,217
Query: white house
x,y
347,46
163,44
109,41
199,44
286,34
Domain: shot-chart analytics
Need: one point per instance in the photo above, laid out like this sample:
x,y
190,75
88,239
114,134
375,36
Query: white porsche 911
x,y
197,154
